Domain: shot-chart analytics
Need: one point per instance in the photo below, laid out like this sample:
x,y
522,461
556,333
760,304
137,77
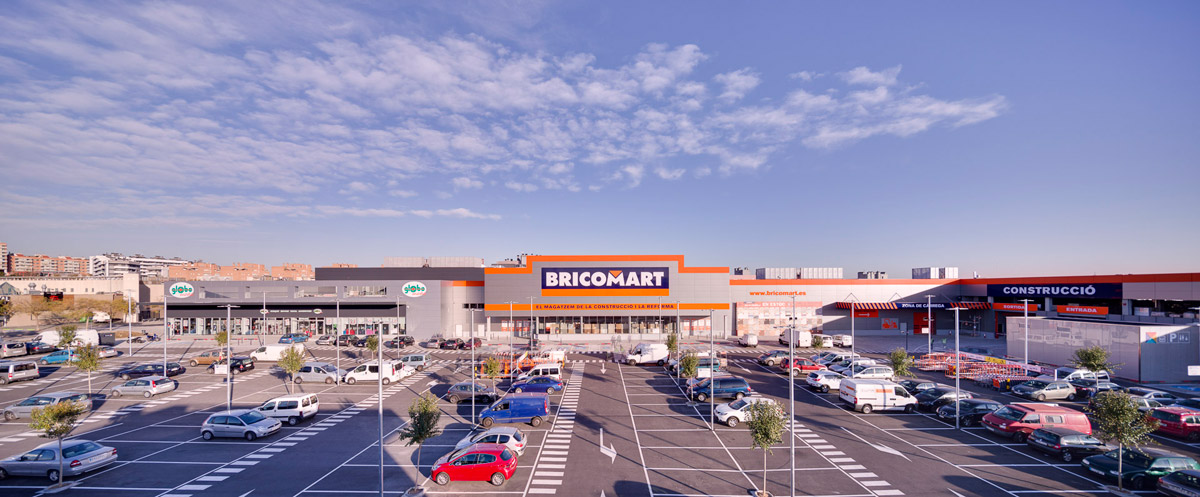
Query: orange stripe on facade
x,y
613,292
466,283
636,306
678,259
845,282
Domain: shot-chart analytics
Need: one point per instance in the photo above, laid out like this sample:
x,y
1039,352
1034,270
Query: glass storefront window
x,y
366,291
308,291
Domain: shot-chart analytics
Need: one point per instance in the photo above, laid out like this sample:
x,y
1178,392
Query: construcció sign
x,y
600,281
1083,291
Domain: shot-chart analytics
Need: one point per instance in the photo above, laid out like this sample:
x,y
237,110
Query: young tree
x,y
222,338
766,426
7,309
423,416
1117,419
1093,359
34,307
57,421
373,344
688,364
291,360
67,336
900,362
118,307
88,359
491,369
818,341
672,345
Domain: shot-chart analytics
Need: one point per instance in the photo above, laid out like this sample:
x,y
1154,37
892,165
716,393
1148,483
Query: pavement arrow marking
x,y
879,447
609,451
245,494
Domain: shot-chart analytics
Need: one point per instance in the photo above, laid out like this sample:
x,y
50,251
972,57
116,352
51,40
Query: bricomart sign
x,y
1087,291
601,281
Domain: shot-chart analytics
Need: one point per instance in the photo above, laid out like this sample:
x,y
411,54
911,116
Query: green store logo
x,y
182,290
414,289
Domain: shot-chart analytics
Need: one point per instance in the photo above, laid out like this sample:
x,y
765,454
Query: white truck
x,y
272,352
866,396
82,337
801,337
843,340
645,353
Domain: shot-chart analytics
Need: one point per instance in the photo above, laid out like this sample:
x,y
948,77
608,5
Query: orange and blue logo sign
x,y
575,281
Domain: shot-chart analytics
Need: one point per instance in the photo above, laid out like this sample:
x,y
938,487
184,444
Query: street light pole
x,y
791,428
1026,302
129,326
929,323
660,326
853,340
337,340
166,332
473,365
228,356
712,370
957,372
513,324
532,324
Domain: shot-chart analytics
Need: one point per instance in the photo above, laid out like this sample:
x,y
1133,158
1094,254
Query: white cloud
x,y
737,83
465,183
402,193
864,76
669,174
804,75
521,187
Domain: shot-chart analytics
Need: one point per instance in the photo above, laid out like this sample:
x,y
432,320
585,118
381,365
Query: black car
x,y
400,341
1184,483
359,342
1066,443
346,340
917,386
933,398
973,411
1190,403
39,347
239,365
173,368
1089,388
453,343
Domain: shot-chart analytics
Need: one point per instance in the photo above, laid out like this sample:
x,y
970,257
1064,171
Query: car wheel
x,y
866,409
207,435
909,409
351,381
1138,483
300,380
1020,437
497,479
236,371
1041,397
536,421
292,420
701,397
328,381
1067,456
661,363
442,479
486,422
517,390
44,362
125,377
824,388
250,436
453,399
146,394
968,422
738,396
3,474
193,363
632,362
772,362
52,475
8,416
1193,436
115,394
1071,398
387,381
731,422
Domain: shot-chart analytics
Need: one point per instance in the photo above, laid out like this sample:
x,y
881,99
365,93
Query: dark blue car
x,y
720,387
543,384
529,408
293,338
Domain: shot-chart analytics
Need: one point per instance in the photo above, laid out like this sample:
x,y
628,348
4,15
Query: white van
x,y
648,352
843,340
869,395
551,369
82,337
1072,374
273,352
801,337
293,408
748,340
369,371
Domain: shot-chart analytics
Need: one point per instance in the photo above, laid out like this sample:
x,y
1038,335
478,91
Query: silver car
x,y
508,436
1045,390
239,423
146,387
107,351
24,408
78,457
318,372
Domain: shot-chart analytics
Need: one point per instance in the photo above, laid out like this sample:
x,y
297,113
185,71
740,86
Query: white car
x,y
748,340
824,380
735,412
508,436
871,371
843,340
844,367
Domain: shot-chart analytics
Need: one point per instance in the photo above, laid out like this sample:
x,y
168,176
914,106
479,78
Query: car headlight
x,y
1112,472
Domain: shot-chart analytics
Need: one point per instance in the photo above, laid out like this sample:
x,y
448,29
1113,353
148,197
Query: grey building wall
x,y
1054,341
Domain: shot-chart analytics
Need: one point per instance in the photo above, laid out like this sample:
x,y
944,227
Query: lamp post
x,y
166,331
129,326
532,324
337,340
473,365
660,326
228,356
379,381
853,340
678,323
1026,302
712,371
957,371
513,324
929,323
792,392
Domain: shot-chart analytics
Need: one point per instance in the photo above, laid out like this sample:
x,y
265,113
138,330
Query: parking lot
x,y
664,445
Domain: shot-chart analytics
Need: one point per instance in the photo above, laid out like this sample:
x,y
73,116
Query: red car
x,y
803,366
480,462
1178,422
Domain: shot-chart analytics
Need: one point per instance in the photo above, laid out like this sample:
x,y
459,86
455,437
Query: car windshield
x,y
1035,384
859,369
704,383
1133,457
1008,413
738,404
455,455
252,417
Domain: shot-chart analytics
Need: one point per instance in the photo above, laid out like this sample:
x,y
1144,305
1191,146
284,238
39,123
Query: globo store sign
x,y
1073,290
181,290
414,289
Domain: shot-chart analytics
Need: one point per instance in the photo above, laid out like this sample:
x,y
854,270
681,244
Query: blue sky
x,y
1022,138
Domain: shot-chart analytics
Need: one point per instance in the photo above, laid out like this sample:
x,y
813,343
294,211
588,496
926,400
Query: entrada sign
x,y
181,290
1092,290
606,281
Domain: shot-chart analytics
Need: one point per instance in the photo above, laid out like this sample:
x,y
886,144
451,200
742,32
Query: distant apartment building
x,y
202,271
342,265
118,264
41,265
293,271
872,275
4,257
244,271
935,273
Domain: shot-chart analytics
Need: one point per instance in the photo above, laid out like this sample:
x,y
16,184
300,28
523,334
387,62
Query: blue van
x,y
526,407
